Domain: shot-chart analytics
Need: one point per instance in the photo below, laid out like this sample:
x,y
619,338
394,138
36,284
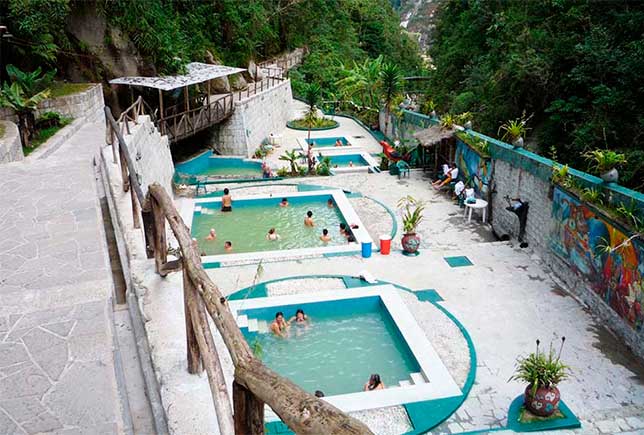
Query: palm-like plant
x,y
412,213
23,104
390,84
291,157
361,82
31,82
312,95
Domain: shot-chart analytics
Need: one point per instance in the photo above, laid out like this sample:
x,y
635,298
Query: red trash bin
x,y
385,245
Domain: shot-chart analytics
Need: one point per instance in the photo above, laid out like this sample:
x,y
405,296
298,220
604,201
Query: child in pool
x,y
272,235
308,220
325,237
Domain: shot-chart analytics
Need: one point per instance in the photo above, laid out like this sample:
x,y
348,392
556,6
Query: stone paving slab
x,y
56,351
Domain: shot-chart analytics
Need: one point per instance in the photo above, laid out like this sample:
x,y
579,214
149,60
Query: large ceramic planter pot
x,y
518,142
611,176
544,402
410,244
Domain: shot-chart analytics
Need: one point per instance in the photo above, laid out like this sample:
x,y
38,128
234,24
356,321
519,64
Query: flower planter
x,y
544,402
518,143
410,244
610,176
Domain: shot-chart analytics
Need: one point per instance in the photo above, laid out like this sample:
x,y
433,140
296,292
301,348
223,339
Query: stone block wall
x,y
151,154
253,120
10,146
87,104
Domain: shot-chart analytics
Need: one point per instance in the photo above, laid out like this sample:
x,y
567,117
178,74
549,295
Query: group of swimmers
x,y
272,235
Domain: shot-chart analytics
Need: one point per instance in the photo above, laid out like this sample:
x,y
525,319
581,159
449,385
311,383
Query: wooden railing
x,y
254,384
181,125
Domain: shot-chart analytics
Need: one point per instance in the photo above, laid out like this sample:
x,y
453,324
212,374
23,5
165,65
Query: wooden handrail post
x,y
160,244
124,171
148,231
212,364
192,347
136,210
248,411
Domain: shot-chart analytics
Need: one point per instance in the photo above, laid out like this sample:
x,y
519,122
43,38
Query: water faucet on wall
x,y
520,208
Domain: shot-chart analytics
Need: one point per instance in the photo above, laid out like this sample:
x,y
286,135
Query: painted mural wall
x,y
472,166
578,236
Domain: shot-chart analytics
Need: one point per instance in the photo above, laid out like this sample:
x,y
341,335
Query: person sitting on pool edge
x,y
299,317
338,143
226,201
374,383
228,246
212,235
272,235
279,326
284,202
325,237
308,220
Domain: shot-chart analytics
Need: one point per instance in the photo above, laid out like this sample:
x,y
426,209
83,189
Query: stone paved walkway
x,y
56,340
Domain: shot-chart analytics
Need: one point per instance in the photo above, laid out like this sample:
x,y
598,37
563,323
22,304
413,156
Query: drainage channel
x,y
133,381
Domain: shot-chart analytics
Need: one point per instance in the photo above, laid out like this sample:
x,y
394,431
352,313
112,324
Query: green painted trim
x,y
236,180
423,415
341,254
213,265
331,127
569,421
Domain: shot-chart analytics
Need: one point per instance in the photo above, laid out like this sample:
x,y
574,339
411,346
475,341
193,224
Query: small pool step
x,y
405,383
269,415
417,378
262,326
252,325
242,321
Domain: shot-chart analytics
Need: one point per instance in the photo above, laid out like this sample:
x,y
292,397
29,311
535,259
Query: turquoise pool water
x,y
345,343
346,160
326,141
207,165
247,225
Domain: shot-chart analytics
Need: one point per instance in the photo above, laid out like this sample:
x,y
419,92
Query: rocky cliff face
x,y
417,16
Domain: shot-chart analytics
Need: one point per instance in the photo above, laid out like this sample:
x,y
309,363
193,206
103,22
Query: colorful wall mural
x,y
579,236
473,167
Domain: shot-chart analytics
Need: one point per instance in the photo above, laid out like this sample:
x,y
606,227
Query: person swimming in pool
x,y
226,201
284,202
212,235
329,203
338,143
308,220
325,237
299,318
279,326
272,235
344,230
374,383
228,246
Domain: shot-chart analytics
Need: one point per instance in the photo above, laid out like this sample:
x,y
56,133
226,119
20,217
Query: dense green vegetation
x,y
575,66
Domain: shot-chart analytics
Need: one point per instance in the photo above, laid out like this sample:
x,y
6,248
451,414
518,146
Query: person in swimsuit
x,y
330,203
272,235
284,202
226,201
212,235
374,383
343,229
338,143
299,317
279,326
228,246
308,220
325,237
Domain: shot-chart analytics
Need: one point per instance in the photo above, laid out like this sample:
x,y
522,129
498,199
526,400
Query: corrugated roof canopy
x,y
197,73
433,135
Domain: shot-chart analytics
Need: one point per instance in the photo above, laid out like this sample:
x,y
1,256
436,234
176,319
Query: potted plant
x,y
412,215
604,163
514,131
542,372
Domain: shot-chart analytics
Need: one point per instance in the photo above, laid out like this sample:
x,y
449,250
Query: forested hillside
x,y
575,66
103,38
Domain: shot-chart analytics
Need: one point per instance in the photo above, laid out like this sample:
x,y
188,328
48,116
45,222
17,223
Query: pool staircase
x,y
253,325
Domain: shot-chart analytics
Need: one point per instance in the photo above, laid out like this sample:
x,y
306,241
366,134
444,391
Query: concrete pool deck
x,y
506,300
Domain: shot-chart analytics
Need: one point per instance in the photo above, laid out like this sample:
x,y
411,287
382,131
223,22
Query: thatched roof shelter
x,y
433,135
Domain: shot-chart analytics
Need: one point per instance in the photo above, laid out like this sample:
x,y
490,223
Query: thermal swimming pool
x,y
327,141
352,334
347,160
208,165
252,217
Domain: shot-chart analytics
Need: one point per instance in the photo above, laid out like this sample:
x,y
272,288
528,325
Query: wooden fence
x,y
254,384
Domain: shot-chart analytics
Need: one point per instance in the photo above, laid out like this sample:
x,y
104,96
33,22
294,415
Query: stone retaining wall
x,y
87,104
10,146
253,120
151,154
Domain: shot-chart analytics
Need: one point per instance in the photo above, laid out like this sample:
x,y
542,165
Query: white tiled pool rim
x,y
350,216
440,382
